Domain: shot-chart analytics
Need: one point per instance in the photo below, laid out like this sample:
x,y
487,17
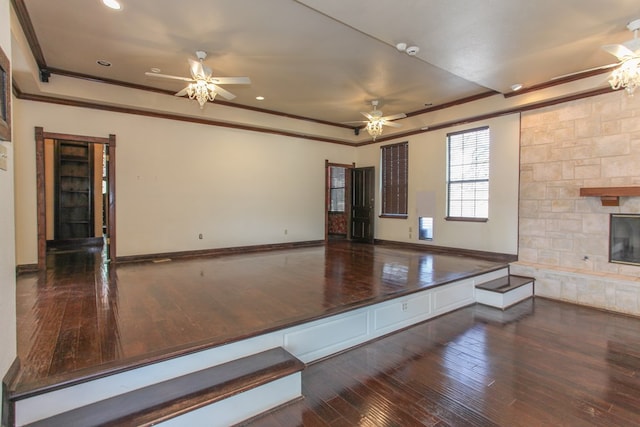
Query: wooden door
x,y
362,204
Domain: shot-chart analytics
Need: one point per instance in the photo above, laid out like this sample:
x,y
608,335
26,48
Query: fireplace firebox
x,y
624,239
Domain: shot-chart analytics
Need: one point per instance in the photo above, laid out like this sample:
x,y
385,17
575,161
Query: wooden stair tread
x,y
152,404
505,284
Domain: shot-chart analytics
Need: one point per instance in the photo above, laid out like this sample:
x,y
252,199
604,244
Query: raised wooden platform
x,y
88,333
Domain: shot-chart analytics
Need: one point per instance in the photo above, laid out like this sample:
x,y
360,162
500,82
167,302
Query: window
x,y
394,180
468,175
336,189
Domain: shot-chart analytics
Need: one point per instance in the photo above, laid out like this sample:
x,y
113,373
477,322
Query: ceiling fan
x,y
628,54
375,120
203,86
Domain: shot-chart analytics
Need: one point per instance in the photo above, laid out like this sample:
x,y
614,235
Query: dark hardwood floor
x,y
82,317
540,363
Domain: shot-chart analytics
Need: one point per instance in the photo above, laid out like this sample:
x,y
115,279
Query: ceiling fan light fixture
x,y
201,91
626,76
374,127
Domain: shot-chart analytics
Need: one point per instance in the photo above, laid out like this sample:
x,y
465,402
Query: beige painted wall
x,y
7,236
564,238
177,180
427,173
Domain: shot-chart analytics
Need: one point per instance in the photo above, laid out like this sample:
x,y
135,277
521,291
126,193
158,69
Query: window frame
x,y
395,181
475,179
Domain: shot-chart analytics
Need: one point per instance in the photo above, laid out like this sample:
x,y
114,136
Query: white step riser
x,y
242,406
504,300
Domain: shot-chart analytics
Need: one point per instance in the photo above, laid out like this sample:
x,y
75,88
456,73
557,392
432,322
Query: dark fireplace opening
x,y
624,239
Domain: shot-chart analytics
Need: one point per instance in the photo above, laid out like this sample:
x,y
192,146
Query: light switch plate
x,y
3,157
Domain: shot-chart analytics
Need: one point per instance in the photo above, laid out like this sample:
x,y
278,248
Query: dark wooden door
x,y
362,204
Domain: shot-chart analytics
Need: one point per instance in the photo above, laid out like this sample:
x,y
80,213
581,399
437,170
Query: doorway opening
x,y
349,202
76,194
338,206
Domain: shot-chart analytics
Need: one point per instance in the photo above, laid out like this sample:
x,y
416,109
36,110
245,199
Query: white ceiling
x,y
327,59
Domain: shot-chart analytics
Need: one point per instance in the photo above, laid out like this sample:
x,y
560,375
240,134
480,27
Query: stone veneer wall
x,y
564,238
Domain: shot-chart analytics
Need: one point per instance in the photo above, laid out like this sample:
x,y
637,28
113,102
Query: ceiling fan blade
x,y
197,70
222,92
619,51
231,80
355,121
367,115
602,67
394,116
166,76
183,92
391,124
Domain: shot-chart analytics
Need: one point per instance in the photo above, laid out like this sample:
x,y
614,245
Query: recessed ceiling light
x,y
112,4
516,87
260,98
103,62
155,70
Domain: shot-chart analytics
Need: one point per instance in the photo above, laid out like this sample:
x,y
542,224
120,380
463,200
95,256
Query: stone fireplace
x,y
578,170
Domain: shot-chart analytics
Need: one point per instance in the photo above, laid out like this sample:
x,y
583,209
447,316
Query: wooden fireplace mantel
x,y
610,196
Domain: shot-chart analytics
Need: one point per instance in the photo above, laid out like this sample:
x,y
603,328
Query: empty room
x,y
319,213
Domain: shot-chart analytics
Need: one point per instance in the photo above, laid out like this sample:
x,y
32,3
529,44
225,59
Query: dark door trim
x,y
110,142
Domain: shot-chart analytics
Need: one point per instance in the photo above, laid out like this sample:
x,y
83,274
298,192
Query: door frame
x,y
110,142
347,195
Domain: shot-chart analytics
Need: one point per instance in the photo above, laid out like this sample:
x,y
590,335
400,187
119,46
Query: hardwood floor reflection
x,y
555,364
82,317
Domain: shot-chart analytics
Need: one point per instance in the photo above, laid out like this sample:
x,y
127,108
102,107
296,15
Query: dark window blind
x,y
395,174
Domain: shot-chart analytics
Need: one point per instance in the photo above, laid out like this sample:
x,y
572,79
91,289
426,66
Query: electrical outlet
x,y
200,236
405,306
286,231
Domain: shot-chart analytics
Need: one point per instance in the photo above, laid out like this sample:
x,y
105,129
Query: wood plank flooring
x,y
540,363
82,318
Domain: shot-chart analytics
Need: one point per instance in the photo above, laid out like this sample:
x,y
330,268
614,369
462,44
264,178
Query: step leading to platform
x,y
214,396
505,291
